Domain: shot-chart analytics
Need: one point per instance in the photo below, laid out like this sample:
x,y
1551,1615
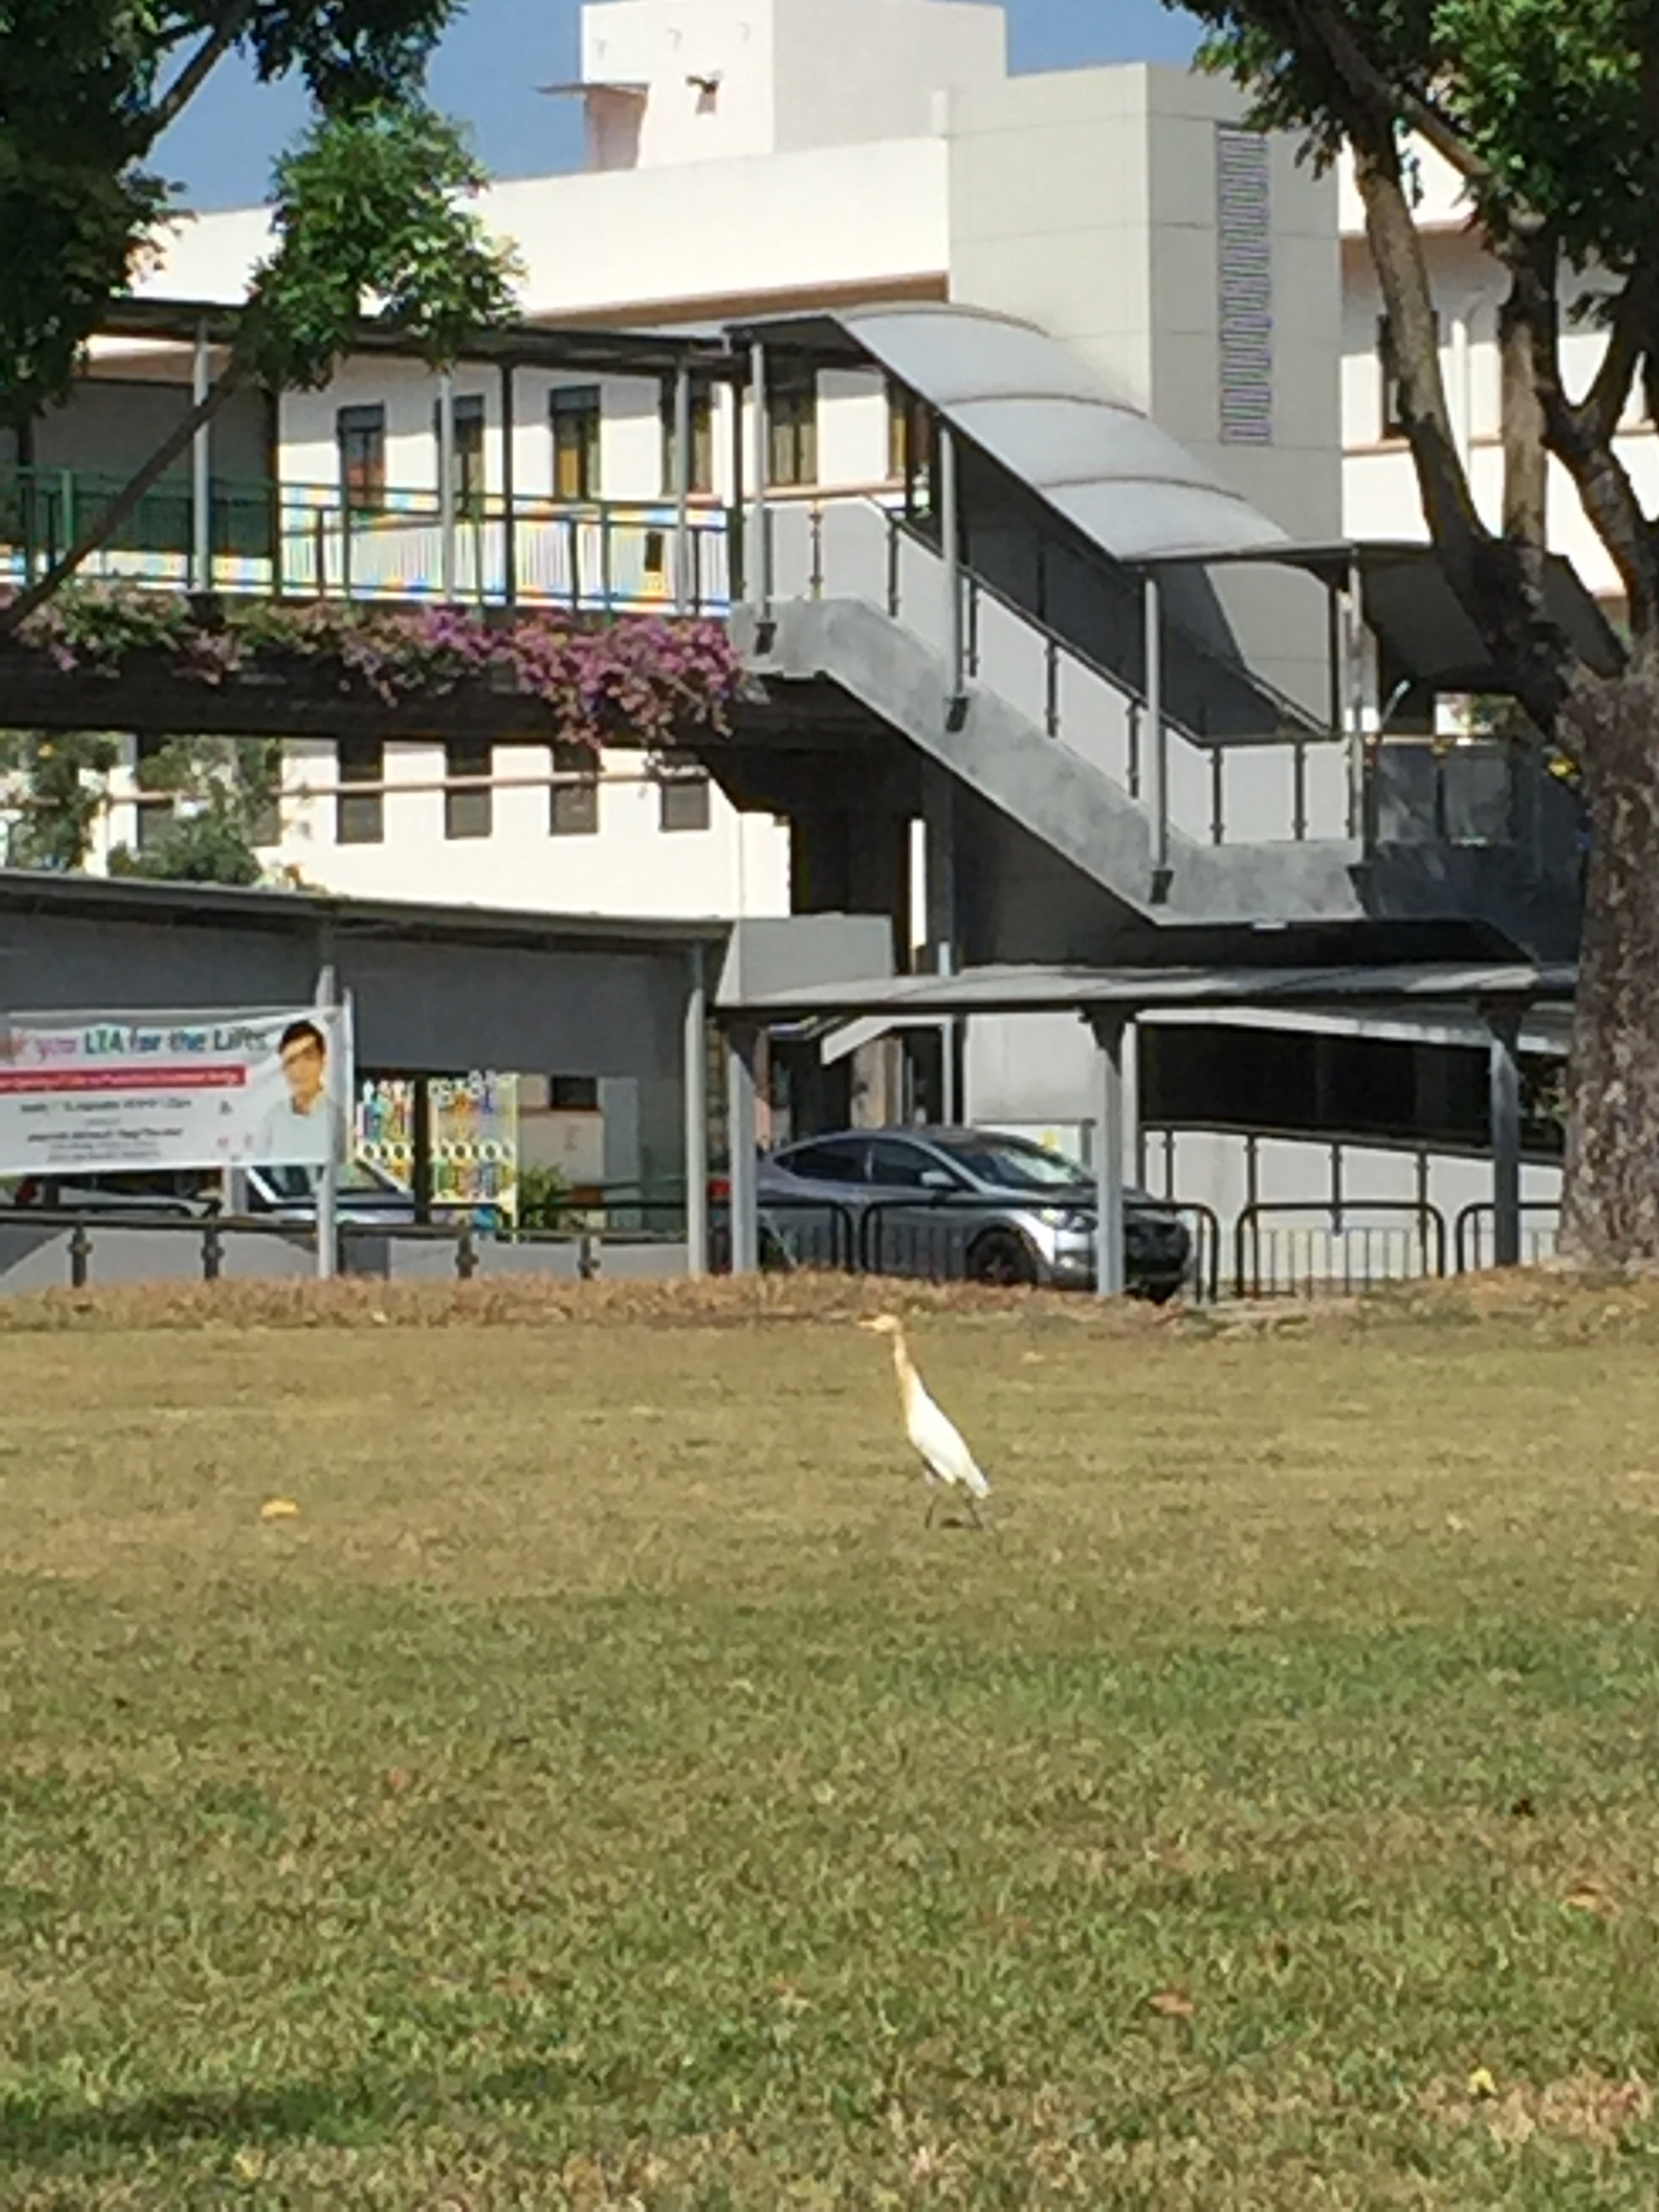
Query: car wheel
x,y
1002,1258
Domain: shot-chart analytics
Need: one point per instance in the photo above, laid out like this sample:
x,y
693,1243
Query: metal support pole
x,y
334,1109
695,1078
950,534
737,536
1155,770
1108,1029
1355,686
683,489
760,546
509,518
1504,1098
201,474
447,483
740,1137
1336,695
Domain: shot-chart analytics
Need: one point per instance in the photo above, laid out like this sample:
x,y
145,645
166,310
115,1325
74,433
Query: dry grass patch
x,y
601,1791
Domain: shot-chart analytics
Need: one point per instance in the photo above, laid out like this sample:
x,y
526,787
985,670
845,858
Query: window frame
x,y
359,817
792,428
365,419
573,809
575,417
469,806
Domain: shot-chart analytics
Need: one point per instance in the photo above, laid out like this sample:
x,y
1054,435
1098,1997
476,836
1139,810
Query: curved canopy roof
x,y
1031,405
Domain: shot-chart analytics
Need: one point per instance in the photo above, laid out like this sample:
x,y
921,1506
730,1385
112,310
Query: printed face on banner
x,y
193,1091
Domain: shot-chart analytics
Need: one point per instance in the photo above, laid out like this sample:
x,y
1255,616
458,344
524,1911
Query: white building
x,y
755,158
752,160
1379,484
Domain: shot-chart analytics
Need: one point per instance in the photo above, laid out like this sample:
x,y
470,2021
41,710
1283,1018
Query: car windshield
x,y
1013,1163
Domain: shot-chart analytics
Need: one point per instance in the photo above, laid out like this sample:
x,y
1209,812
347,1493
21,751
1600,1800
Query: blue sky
x,y
221,149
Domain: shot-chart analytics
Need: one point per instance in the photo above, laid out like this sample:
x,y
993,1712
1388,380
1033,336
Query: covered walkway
x,y
1111,1001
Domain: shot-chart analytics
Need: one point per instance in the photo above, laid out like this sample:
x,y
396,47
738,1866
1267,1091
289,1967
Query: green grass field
x,y
604,1793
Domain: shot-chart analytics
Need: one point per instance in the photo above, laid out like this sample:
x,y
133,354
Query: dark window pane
x,y
838,1161
469,418
468,811
575,808
360,815
899,1166
576,418
361,433
684,800
702,438
573,1094
792,413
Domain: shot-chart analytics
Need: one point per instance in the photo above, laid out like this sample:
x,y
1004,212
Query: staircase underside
x,y
1057,859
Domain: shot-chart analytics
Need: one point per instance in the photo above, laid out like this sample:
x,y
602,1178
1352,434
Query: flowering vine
x,y
651,677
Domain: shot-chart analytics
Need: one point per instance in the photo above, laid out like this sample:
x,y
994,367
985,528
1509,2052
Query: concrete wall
x,y
1087,201
631,866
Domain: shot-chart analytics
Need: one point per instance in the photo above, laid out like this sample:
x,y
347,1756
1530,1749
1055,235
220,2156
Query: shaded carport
x,y
436,989
1110,1000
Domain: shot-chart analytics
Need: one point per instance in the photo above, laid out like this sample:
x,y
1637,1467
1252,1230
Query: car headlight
x,y
1063,1217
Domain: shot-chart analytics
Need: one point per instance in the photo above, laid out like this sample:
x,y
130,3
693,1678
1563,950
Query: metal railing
x,y
1345,1253
1475,1235
307,540
1286,790
362,1244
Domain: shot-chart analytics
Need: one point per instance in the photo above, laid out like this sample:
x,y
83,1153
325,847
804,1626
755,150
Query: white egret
x,y
944,1455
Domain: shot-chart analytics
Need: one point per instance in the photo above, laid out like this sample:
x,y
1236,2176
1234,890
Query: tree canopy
x,y
372,205
1548,113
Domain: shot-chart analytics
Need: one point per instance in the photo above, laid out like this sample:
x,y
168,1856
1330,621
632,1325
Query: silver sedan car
x,y
956,1203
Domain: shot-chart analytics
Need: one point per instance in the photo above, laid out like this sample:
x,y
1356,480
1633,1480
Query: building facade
x,y
818,178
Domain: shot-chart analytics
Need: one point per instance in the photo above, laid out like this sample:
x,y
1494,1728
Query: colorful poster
x,y
386,1127
475,1147
120,1092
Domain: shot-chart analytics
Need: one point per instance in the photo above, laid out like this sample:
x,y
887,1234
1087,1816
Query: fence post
x,y
587,1256
80,1253
467,1254
213,1253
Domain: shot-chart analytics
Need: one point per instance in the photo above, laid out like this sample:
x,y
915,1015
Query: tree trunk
x,y
1610,1212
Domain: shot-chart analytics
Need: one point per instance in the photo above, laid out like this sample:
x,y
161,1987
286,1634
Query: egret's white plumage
x,y
949,1464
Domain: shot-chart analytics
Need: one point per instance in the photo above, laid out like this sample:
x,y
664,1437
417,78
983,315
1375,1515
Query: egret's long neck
x,y
903,1367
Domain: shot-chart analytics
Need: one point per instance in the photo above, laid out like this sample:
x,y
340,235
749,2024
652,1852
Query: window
x,y
469,451
576,417
360,815
154,808
909,437
469,806
897,1166
682,797
573,1094
702,437
791,422
1394,418
359,433
840,1159
575,808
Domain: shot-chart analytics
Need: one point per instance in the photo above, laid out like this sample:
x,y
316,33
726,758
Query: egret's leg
x,y
932,1504
973,1509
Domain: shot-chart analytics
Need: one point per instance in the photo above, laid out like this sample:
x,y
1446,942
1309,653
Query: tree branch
x,y
1633,321
1488,574
1320,23
1603,483
200,66
35,595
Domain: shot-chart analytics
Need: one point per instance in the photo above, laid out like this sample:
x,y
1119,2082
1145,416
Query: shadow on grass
x,y
352,2113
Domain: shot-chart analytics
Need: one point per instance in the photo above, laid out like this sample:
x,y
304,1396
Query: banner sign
x,y
170,1091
